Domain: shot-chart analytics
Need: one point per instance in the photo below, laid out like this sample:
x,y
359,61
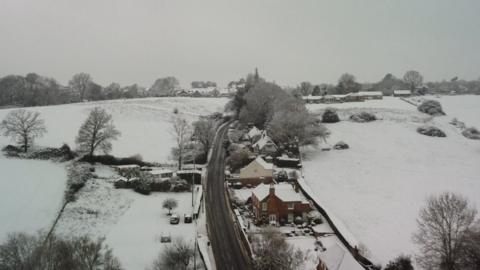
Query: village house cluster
x,y
266,192
353,97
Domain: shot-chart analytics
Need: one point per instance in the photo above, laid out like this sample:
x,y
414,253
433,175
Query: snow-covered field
x,y
144,123
31,194
378,185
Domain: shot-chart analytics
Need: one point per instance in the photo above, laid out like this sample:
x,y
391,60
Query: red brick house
x,y
278,204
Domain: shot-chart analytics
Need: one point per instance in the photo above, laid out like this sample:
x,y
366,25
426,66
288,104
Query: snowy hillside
x,y
144,123
378,185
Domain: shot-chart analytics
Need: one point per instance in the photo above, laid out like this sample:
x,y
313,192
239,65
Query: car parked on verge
x,y
174,219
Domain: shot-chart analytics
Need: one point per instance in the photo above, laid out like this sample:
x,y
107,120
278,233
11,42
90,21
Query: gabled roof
x,y
264,140
337,258
254,132
283,191
263,163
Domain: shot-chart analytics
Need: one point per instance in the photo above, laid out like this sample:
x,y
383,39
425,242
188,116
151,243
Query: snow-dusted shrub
x,y
459,124
12,151
431,107
330,116
431,131
164,186
143,187
78,174
340,146
64,153
471,133
363,117
180,186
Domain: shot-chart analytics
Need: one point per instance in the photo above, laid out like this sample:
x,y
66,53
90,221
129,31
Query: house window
x,y
264,206
290,206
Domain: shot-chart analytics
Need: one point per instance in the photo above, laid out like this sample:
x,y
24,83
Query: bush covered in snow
x,y
330,116
143,187
431,107
362,117
431,131
340,146
12,151
471,133
459,124
64,153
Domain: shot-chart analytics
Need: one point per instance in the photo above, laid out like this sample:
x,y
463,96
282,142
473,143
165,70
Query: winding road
x,y
227,248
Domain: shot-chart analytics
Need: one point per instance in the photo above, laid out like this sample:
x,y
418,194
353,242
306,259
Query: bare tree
x,y
169,204
471,250
347,84
273,252
23,127
175,256
413,78
442,227
97,132
291,122
81,82
204,132
182,132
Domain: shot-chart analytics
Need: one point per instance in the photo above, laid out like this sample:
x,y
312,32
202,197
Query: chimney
x,y
272,189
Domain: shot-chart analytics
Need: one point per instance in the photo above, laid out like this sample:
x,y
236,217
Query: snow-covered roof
x,y
370,93
310,97
254,132
283,191
158,171
263,163
286,158
337,258
264,140
402,92
131,166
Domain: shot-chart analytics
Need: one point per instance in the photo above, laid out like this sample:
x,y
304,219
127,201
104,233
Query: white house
x,y
257,171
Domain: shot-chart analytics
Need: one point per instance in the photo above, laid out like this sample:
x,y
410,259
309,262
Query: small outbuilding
x,y
402,93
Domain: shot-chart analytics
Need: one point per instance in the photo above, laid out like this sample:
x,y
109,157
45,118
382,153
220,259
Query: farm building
x,y
160,173
287,162
278,204
402,93
370,94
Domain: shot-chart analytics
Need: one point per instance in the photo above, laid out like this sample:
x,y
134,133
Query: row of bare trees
x,y
188,136
32,252
96,133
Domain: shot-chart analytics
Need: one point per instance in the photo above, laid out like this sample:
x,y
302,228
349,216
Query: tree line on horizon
x,y
411,80
36,90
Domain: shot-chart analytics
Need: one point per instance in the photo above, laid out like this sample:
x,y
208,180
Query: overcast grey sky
x,y
289,41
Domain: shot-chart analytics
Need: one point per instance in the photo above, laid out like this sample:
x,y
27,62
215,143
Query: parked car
x,y
174,219
187,219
